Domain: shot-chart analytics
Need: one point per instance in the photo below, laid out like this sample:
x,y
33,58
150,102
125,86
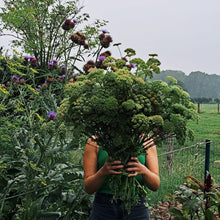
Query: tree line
x,y
201,86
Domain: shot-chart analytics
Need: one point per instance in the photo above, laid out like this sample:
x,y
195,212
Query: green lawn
x,y
208,125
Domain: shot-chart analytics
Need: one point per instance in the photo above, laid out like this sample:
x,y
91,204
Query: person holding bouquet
x,y
98,168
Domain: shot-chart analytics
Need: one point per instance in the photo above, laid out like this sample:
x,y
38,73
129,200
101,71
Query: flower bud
x,y
63,69
55,64
51,116
50,66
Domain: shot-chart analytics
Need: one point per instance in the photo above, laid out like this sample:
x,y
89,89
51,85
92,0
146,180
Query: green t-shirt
x,y
102,156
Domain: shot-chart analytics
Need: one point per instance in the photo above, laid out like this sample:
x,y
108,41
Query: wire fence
x,y
188,161
208,108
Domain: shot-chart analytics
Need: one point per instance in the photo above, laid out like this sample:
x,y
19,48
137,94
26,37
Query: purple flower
x,y
37,89
101,58
22,81
63,69
63,76
132,65
55,64
32,58
51,116
50,66
14,78
104,31
26,57
75,21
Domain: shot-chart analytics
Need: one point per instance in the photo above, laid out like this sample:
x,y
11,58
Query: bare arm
x,y
93,179
150,172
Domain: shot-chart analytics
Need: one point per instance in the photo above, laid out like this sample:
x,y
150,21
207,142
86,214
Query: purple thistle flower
x,y
14,77
75,21
55,64
37,89
104,31
51,116
50,66
63,76
32,58
101,58
63,69
22,81
26,57
132,65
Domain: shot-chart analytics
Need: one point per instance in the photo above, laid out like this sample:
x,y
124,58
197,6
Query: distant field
x,y
208,125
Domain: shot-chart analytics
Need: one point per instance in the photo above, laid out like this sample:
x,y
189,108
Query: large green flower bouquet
x,y
118,105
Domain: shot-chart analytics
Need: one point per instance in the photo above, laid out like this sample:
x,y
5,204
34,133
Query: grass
x,y
208,125
191,161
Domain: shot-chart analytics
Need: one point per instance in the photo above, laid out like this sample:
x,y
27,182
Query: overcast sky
x,y
184,33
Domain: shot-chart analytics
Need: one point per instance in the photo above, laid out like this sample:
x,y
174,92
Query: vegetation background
x,y
197,84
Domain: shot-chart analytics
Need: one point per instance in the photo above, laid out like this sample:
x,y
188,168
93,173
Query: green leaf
x,y
48,215
175,212
191,205
209,215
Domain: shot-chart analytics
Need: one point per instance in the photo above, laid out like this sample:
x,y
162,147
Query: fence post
x,y
170,145
207,158
198,108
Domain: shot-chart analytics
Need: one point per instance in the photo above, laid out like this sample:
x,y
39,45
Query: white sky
x,y
184,33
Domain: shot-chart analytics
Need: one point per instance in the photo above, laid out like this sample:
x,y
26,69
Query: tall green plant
x,y
37,156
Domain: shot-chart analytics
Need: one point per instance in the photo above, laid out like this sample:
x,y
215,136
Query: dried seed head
x,y
101,36
83,37
91,62
109,38
78,38
106,53
49,79
33,62
86,46
105,43
89,65
74,38
68,24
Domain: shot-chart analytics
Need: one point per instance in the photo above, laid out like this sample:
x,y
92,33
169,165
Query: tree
x,y
45,29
